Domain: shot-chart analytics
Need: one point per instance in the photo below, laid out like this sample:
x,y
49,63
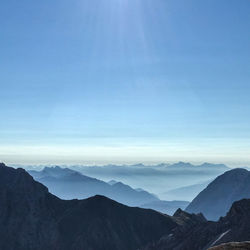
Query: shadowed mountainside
x,y
201,234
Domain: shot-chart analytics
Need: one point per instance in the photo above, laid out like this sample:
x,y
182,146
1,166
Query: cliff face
x,y
32,218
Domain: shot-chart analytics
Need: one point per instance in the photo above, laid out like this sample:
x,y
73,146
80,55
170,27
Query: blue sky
x,y
137,79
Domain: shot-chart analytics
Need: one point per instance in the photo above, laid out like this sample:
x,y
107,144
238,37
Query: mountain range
x,y
70,184
156,179
34,219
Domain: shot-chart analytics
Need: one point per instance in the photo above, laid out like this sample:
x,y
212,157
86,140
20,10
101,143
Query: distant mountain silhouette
x,y
33,219
195,233
156,179
184,166
215,200
153,170
69,184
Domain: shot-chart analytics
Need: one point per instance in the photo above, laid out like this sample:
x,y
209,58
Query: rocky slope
x,y
198,234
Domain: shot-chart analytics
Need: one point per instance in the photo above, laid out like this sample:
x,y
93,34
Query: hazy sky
x,y
139,80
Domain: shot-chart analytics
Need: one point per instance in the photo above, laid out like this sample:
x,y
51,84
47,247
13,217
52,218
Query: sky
x,y
88,81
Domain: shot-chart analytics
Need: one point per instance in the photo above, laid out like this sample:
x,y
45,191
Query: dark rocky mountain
x,y
69,184
215,200
167,207
195,233
33,219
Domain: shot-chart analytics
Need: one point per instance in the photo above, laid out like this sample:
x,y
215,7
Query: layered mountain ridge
x,y
70,184
33,219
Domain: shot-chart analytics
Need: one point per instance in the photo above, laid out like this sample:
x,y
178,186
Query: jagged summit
x,y
185,218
